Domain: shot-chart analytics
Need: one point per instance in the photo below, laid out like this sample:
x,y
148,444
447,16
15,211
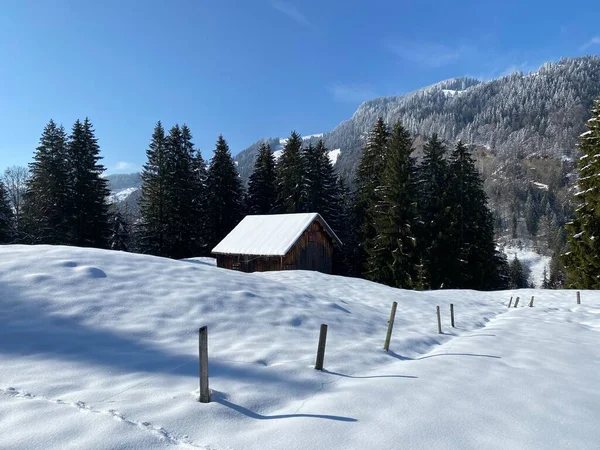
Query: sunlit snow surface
x,y
98,349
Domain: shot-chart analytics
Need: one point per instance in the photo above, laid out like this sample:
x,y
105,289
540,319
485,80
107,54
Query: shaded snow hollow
x,y
98,349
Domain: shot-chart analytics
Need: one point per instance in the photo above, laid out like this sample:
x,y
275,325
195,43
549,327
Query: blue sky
x,y
254,68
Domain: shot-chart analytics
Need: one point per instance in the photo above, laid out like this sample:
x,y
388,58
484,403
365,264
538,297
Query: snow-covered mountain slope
x,y
98,349
522,128
125,192
122,195
333,155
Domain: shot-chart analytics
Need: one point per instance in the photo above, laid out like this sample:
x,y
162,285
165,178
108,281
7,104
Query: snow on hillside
x,y
283,141
334,155
533,262
121,195
99,350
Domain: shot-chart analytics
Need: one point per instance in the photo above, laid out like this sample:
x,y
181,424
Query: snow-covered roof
x,y
269,235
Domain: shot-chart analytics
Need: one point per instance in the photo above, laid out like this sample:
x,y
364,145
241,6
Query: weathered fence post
x,y
388,336
510,303
517,302
531,302
321,349
203,358
452,315
578,298
439,320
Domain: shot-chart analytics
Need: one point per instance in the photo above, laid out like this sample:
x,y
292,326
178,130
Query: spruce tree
x,y
7,234
290,177
470,226
183,195
582,263
518,278
321,189
392,256
198,212
368,181
46,207
344,258
557,274
262,193
545,279
88,220
225,194
434,213
151,232
120,238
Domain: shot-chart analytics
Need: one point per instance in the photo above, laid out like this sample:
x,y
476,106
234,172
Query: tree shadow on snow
x,y
220,398
405,358
30,328
367,377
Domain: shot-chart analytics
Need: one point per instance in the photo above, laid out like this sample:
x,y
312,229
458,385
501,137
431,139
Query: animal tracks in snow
x,y
158,432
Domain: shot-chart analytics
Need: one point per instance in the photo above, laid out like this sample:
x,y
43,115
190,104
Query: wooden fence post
x,y
321,348
439,320
203,358
578,298
510,303
531,302
517,302
388,336
452,315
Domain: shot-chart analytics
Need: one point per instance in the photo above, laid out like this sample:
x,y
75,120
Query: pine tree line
x,y
426,225
186,206
409,225
405,225
65,195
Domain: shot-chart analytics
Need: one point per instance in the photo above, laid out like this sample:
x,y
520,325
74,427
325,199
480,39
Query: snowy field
x,y
98,350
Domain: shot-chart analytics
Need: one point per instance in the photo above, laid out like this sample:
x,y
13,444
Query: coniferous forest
x,y
407,224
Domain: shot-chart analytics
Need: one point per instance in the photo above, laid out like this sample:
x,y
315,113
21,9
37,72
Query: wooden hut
x,y
278,242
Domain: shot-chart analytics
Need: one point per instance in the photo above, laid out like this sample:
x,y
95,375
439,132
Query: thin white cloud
x,y
351,93
290,11
123,165
592,42
426,54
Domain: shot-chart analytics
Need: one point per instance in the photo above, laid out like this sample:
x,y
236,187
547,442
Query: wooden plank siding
x,y
312,251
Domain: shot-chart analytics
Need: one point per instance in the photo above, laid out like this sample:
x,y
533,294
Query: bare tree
x,y
15,179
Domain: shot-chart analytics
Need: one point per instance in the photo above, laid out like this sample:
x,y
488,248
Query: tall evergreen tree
x,y
583,261
518,277
321,189
88,220
198,212
120,238
392,253
183,196
46,207
226,194
344,259
368,180
470,227
290,176
152,229
6,217
434,209
262,193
